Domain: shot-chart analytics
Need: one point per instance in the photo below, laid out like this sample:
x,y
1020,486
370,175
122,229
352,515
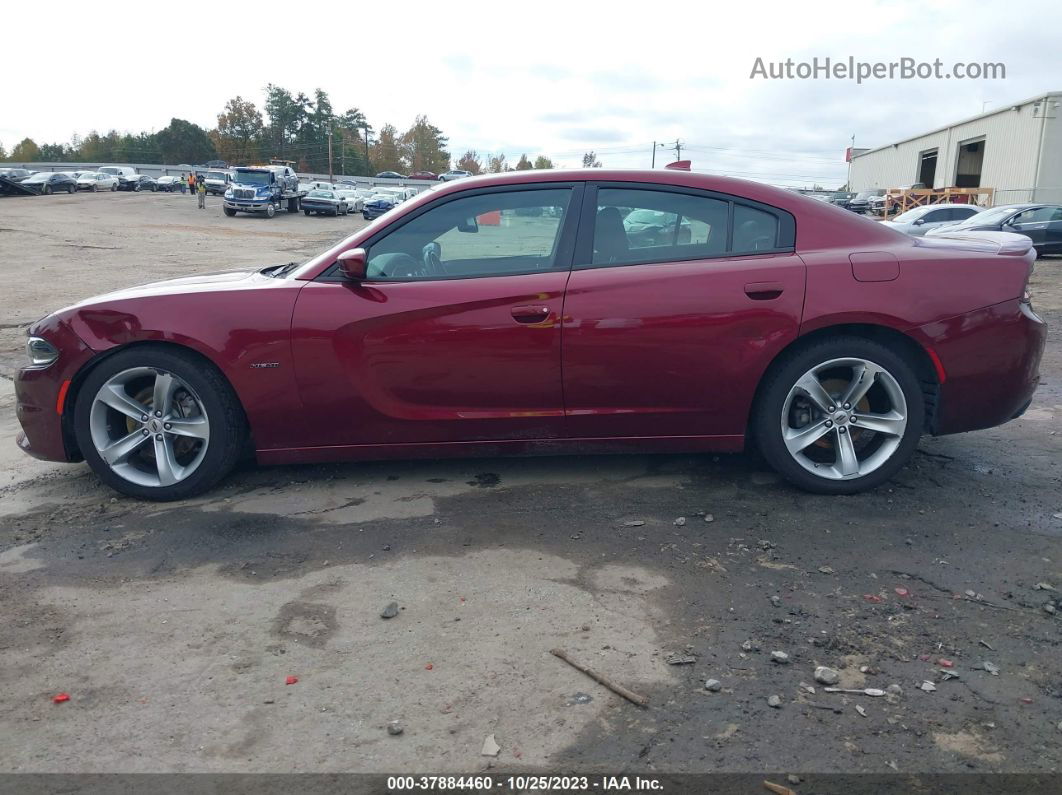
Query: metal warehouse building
x,y
1015,150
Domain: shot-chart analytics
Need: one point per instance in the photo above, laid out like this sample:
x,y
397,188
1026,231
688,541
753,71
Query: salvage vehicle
x,y
171,184
217,182
324,202
423,175
377,205
512,313
390,175
919,220
453,174
263,189
352,196
95,181
16,174
860,203
50,182
127,177
1041,223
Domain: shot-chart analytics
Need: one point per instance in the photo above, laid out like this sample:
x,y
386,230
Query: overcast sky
x,y
552,78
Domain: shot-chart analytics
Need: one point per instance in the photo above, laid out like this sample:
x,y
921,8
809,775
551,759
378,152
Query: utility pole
x,y
329,154
654,156
368,171
851,152
678,149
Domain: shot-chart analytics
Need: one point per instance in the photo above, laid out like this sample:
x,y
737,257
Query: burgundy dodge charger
x,y
549,312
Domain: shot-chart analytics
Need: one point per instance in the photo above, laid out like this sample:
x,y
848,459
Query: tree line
x,y
289,126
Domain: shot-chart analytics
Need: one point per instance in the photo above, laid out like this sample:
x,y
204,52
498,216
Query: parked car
x,y
351,196
171,184
146,182
452,174
324,202
390,175
457,326
50,182
1041,223
841,198
127,177
317,184
377,205
860,202
218,181
423,175
16,174
95,181
919,220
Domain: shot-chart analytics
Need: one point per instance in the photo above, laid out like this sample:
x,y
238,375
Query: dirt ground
x,y
174,627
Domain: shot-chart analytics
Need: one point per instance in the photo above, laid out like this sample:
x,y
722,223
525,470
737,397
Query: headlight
x,y
41,353
228,193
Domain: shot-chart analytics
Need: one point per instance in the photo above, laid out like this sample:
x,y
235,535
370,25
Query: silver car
x,y
919,220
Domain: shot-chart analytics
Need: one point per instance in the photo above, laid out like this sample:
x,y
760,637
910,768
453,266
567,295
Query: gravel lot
x,y
173,627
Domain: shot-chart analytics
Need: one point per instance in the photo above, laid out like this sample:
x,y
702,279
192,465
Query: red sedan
x,y
543,312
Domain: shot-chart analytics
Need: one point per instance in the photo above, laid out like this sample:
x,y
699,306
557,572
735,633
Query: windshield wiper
x,y
277,271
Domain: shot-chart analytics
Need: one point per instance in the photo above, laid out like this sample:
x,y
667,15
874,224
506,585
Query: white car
x,y
318,184
919,220
355,201
97,181
455,173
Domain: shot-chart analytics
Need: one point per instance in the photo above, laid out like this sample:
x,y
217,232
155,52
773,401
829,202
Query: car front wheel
x,y
157,424
840,416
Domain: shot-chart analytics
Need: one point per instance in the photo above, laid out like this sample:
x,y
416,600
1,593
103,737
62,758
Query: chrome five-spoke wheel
x,y
149,427
842,414
844,418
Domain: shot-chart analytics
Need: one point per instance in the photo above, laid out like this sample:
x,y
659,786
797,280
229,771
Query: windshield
x,y
910,215
866,194
38,177
218,175
252,177
90,175
109,170
321,194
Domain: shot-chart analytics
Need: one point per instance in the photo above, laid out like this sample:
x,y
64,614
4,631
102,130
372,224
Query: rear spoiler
x,y
1006,243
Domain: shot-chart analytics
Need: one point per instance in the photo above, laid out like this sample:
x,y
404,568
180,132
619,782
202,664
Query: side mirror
x,y
919,221
353,264
468,225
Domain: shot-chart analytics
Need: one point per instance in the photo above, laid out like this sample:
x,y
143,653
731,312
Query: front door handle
x,y
764,291
530,314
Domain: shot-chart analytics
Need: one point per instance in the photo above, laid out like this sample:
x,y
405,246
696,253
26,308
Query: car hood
x,y
204,282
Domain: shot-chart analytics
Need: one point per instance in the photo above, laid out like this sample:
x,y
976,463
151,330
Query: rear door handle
x,y
764,291
530,314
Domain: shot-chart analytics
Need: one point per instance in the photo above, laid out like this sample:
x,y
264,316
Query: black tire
x,y
70,189
766,425
94,188
136,189
307,213
229,211
271,210
46,189
114,188
154,188
293,205
228,428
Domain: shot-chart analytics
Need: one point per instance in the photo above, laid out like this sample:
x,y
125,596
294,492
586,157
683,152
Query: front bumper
x,y
991,358
248,205
47,431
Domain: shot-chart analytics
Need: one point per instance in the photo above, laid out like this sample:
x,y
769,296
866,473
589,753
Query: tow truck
x,y
263,189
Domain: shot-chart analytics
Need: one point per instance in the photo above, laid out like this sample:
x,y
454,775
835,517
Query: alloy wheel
x,y
844,418
149,427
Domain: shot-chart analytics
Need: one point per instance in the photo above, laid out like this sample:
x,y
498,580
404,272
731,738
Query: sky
x,y
550,78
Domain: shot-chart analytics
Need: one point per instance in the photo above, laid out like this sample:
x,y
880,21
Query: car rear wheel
x,y
46,189
306,211
114,188
157,424
69,188
94,188
840,416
